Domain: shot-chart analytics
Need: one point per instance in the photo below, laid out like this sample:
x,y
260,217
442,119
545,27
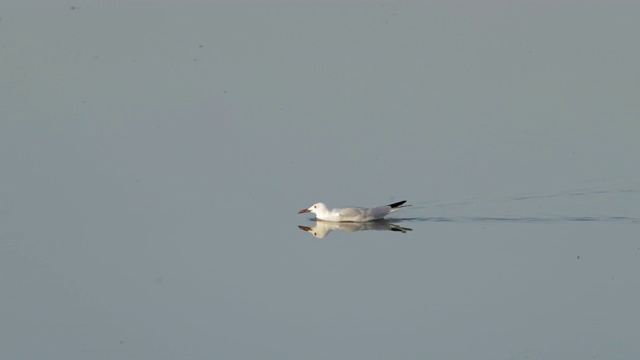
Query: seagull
x,y
352,214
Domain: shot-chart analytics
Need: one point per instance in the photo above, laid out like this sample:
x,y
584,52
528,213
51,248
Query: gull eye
x,y
314,206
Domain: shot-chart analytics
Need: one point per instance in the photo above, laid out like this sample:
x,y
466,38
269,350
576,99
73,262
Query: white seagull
x,y
353,214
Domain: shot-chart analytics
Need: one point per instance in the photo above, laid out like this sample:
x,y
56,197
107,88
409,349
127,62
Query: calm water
x,y
155,154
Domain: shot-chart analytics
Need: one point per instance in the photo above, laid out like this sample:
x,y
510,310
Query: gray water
x,y
154,156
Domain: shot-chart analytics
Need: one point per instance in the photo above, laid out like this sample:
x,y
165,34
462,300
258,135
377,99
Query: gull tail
x,y
397,205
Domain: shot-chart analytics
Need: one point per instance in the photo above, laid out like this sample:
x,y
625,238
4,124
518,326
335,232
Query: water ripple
x,y
528,219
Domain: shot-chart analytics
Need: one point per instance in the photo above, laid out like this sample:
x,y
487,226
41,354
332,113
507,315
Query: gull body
x,y
352,214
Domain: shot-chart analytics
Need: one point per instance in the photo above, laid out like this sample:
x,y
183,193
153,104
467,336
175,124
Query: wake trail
x,y
541,207
591,191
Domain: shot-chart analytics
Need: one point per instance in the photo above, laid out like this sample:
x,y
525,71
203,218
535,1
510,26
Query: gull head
x,y
315,208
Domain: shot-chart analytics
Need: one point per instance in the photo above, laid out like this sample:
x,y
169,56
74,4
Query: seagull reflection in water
x,y
322,228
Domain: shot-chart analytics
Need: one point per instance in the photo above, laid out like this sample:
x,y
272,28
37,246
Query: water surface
x,y
155,154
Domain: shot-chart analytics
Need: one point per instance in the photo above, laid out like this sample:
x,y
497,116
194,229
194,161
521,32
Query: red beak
x,y
303,211
305,228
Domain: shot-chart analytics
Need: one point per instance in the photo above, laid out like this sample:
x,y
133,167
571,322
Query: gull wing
x,y
350,212
379,212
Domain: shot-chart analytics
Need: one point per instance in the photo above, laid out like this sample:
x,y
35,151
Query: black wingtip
x,y
395,205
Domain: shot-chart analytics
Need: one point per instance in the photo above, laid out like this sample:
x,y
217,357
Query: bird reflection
x,y
322,228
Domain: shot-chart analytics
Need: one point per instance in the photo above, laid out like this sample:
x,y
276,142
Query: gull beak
x,y
305,228
304,211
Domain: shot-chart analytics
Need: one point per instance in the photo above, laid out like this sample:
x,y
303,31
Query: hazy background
x,y
154,154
